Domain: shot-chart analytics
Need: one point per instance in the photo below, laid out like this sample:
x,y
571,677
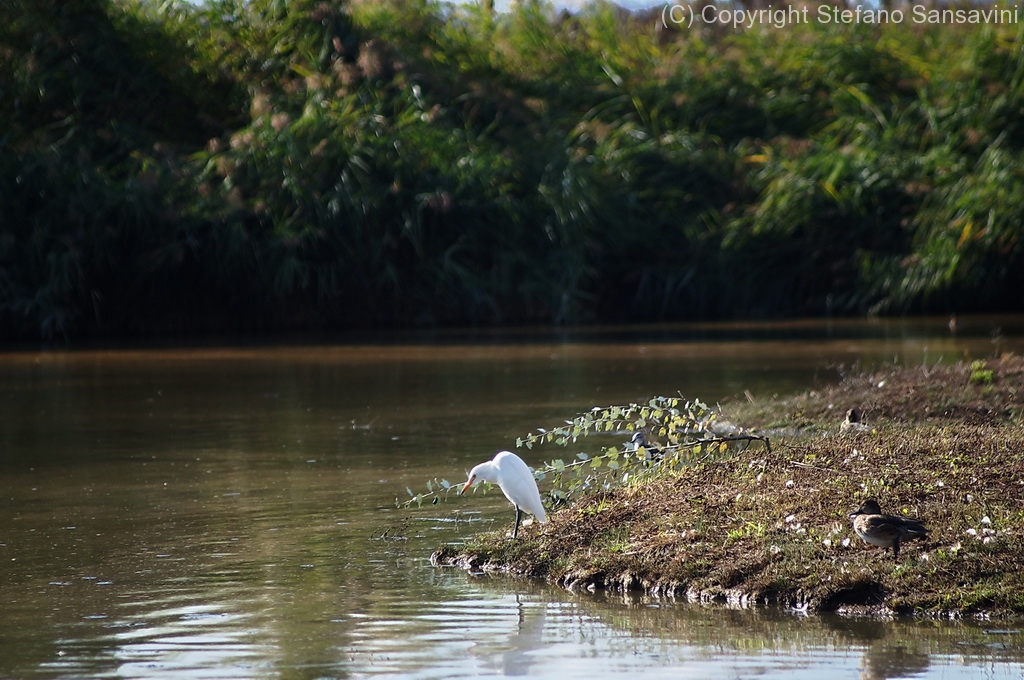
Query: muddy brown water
x,y
229,512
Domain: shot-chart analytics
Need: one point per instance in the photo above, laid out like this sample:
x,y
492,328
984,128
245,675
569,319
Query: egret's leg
x,y
519,517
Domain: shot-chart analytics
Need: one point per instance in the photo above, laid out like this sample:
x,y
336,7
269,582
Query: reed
x,y
267,164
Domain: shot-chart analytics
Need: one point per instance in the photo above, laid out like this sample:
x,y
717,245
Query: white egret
x,y
515,480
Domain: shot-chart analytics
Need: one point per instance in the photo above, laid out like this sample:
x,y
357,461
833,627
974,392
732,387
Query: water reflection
x,y
517,658
219,513
893,661
501,627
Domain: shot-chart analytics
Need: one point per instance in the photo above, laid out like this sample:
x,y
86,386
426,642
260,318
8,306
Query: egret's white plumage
x,y
515,480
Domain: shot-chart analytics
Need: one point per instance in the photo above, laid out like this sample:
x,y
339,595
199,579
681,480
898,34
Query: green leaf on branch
x,y
674,437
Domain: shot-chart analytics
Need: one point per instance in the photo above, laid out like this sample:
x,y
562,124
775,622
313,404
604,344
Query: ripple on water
x,y
163,518
174,632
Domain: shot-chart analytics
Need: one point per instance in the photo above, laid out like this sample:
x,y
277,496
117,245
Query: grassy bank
x,y
771,527
168,167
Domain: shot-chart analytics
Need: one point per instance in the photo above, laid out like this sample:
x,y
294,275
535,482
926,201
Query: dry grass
x,y
981,392
772,527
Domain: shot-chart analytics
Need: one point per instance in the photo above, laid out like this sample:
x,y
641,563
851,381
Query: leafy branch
x,y
435,489
667,433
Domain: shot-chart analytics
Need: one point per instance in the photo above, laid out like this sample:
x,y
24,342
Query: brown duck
x,y
885,531
853,423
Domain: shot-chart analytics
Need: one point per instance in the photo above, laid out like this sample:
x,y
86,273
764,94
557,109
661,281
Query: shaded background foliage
x,y
269,164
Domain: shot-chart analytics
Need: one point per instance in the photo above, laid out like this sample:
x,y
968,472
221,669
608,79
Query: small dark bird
x,y
885,531
853,422
639,441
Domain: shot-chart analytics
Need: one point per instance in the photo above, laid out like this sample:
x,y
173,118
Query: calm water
x,y
230,512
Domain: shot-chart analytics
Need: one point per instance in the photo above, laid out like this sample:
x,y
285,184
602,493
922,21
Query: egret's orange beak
x,y
465,487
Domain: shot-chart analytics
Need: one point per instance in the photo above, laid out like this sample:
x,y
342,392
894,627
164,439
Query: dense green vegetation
x,y
300,164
